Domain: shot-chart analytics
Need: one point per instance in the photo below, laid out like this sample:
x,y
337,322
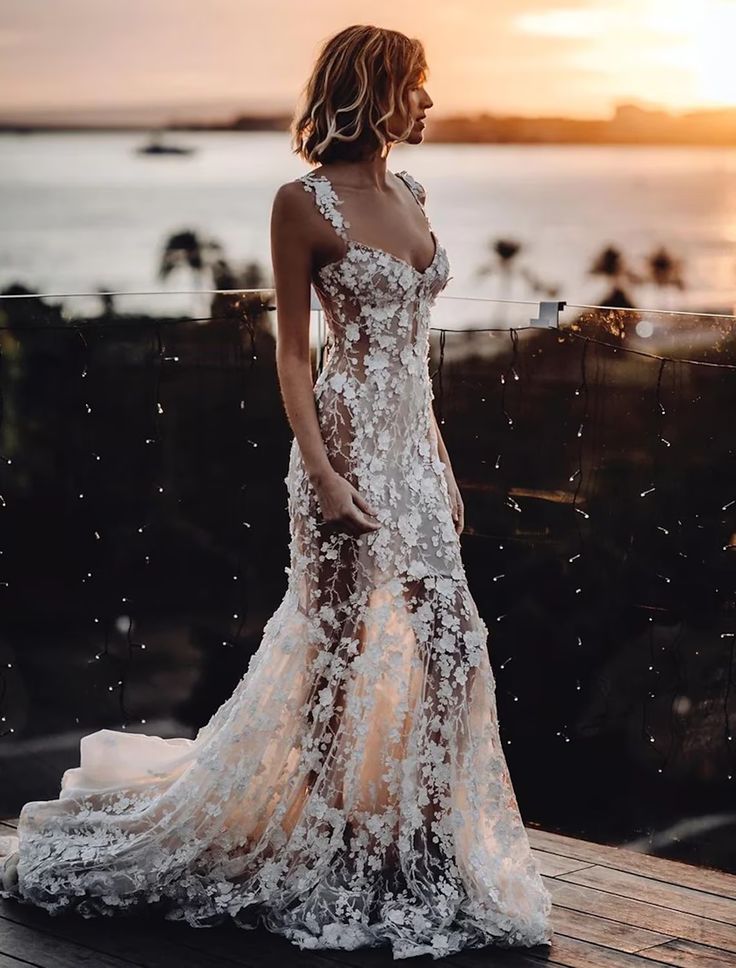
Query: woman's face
x,y
419,103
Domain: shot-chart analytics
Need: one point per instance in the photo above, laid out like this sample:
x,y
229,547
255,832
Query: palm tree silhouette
x,y
504,262
611,264
665,271
504,253
205,257
536,284
186,249
250,276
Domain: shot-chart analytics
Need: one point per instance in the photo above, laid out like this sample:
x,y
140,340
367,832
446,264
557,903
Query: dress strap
x,y
327,201
417,189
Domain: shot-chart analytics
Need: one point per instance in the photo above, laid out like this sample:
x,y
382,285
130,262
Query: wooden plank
x,y
660,868
554,864
260,946
584,954
37,948
135,940
264,947
675,924
613,908
486,957
493,956
689,955
565,952
155,942
648,889
7,961
281,951
604,931
171,944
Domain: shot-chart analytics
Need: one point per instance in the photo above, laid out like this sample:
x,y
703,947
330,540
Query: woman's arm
x,y
441,449
456,502
291,259
292,247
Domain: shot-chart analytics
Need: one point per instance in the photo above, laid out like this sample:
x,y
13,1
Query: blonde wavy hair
x,y
362,75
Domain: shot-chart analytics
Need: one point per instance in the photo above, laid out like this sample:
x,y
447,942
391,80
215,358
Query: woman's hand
x,y
343,507
456,502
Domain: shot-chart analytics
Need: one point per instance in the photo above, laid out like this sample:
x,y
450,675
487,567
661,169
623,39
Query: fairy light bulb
x,y
584,429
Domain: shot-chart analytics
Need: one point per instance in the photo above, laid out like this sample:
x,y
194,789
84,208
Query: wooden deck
x,y
612,908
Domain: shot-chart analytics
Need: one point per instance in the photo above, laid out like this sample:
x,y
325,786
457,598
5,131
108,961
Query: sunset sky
x,y
572,57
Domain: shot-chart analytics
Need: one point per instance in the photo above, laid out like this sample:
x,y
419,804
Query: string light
x,y
649,491
582,426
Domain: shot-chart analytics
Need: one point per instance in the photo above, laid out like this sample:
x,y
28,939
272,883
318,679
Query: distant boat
x,y
157,147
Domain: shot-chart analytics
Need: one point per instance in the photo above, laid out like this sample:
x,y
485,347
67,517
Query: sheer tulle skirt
x,y
351,791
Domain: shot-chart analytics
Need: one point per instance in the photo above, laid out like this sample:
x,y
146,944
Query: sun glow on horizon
x,y
712,36
559,58
676,52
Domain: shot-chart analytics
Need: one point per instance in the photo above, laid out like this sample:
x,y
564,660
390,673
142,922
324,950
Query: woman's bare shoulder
x,y
291,201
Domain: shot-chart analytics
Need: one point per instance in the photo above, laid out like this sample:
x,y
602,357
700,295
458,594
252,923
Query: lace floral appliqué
x,y
353,789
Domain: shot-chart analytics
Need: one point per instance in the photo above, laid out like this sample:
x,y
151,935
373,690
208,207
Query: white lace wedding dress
x,y
353,790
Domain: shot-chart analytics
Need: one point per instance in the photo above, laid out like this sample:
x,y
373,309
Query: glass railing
x,y
144,541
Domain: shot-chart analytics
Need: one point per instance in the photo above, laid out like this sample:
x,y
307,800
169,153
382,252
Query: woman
x,y
353,789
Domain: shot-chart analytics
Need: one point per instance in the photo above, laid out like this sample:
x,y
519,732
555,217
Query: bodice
x,y
375,302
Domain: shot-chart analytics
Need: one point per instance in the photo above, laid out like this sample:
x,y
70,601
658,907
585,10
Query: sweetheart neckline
x,y
374,248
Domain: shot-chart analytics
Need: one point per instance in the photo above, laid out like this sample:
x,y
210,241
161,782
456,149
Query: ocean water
x,y
83,211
